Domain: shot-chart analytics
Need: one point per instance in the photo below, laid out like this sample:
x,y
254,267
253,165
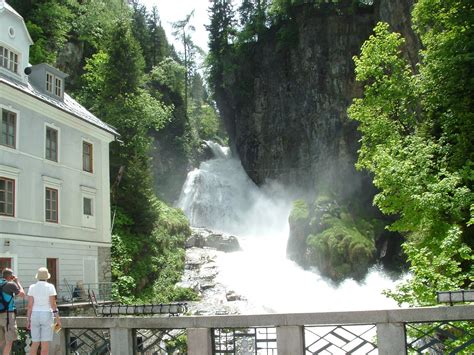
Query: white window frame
x,y
52,87
49,82
17,126
56,184
12,173
58,150
90,193
5,58
92,157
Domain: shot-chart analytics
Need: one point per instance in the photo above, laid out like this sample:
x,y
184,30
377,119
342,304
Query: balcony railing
x,y
71,295
433,330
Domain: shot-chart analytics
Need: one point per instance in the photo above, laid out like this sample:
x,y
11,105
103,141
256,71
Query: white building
x,y
54,170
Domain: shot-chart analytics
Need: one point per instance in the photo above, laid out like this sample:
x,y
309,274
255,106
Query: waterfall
x,y
220,196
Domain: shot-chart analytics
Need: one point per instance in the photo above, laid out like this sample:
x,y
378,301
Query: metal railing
x,y
70,295
439,330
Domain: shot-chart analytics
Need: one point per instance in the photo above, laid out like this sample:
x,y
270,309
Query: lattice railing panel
x,y
440,338
88,341
160,341
244,341
354,339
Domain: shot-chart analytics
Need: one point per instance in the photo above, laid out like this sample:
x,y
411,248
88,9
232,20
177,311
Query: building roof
x,y
4,5
69,105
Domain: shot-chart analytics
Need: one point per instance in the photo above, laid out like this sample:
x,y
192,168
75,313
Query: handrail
x,y
402,315
72,295
121,334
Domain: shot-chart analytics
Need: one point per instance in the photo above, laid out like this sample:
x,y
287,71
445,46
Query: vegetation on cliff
x,y
324,234
417,129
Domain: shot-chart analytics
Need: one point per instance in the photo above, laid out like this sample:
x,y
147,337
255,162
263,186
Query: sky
x,y
176,10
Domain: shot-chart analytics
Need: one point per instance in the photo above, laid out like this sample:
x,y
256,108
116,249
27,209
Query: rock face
x,y
284,105
201,238
201,271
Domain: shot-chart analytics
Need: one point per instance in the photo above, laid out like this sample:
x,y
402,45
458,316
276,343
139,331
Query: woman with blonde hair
x,y
42,311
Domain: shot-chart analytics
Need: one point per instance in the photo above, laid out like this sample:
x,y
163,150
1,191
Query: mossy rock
x,y
341,250
299,221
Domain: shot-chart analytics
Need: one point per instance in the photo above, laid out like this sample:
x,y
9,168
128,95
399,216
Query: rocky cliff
x,y
284,104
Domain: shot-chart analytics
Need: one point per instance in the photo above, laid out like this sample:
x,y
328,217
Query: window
x,y
88,195
5,263
52,265
7,197
54,84
51,207
58,87
8,137
87,206
51,144
49,82
8,59
87,157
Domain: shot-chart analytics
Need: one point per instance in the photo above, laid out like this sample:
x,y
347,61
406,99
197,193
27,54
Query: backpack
x,y
4,305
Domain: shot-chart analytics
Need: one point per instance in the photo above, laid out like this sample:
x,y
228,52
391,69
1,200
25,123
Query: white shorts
x,y
41,322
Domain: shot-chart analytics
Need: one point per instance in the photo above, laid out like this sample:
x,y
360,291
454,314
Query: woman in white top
x,y
42,310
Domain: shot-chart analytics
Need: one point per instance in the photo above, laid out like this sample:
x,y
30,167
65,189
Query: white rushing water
x,y
220,196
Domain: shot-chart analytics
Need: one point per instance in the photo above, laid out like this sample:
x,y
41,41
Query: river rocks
x,y
201,273
201,238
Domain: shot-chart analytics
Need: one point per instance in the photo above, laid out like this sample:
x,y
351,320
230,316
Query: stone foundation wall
x,y
104,264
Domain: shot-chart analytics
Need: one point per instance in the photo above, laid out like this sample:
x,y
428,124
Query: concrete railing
x,y
290,328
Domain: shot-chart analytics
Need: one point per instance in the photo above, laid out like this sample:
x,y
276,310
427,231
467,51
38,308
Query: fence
x,y
433,330
71,294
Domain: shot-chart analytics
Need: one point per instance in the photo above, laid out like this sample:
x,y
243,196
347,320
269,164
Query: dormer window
x,y
9,59
58,87
54,84
49,82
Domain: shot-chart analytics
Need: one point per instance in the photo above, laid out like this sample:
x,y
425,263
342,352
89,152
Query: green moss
x,y
342,249
299,211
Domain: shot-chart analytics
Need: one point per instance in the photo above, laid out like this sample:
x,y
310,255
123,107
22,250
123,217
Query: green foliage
x,y
126,64
94,21
299,211
177,345
48,36
342,249
147,267
417,133
435,269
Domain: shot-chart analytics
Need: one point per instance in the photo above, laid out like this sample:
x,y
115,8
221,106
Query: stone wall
x,y
104,264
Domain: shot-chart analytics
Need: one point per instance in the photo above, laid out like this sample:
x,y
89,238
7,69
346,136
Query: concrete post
x,y
290,340
199,341
58,345
121,341
391,338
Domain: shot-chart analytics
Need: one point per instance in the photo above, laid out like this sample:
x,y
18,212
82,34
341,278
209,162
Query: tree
x,y
221,34
412,133
159,47
253,18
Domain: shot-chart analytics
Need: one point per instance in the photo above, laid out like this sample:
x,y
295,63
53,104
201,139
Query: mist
x,y
220,196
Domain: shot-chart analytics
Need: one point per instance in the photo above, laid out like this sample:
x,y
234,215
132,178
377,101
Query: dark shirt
x,y
10,287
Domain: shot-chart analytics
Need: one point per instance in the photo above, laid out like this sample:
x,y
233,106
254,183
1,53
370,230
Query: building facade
x,y
54,170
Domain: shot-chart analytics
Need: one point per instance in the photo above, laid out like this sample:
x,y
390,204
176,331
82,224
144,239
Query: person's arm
x,y
54,307
31,301
21,291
